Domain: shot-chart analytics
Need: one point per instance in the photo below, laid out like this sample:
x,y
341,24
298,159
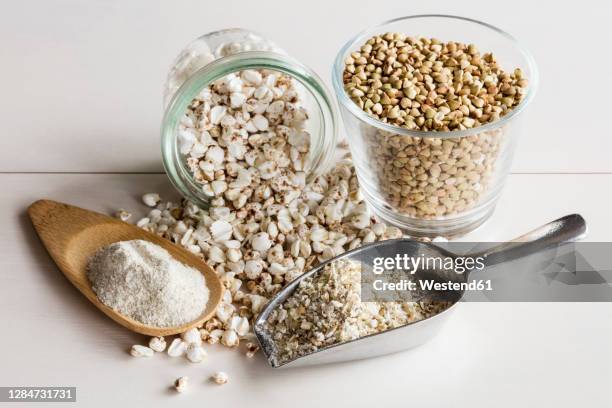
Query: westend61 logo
x,y
412,264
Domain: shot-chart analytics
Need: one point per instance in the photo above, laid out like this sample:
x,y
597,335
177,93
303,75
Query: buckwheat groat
x,y
433,177
424,84
181,384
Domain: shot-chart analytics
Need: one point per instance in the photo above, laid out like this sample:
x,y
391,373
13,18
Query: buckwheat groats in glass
x,y
423,84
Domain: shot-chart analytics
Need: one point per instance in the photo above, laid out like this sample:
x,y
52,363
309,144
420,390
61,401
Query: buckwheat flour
x,y
143,281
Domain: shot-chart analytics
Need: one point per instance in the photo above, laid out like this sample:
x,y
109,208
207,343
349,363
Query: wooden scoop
x,y
72,235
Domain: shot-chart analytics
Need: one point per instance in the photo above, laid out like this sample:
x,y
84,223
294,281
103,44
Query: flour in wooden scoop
x,y
143,281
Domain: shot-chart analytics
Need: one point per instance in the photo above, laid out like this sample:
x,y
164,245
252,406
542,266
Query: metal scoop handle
x,y
565,229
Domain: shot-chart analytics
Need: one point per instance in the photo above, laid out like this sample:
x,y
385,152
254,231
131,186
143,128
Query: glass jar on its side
x,y
219,54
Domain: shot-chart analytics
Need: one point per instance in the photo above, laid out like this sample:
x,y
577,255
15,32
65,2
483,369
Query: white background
x,y
81,85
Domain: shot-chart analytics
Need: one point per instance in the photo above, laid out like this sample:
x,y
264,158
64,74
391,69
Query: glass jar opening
x,y
321,124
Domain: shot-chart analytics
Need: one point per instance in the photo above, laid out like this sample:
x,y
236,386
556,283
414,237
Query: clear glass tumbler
x,y
432,183
220,53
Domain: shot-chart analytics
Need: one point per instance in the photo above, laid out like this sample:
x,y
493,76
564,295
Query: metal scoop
x,y
555,233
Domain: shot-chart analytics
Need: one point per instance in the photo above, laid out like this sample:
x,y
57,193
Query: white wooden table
x,y
81,105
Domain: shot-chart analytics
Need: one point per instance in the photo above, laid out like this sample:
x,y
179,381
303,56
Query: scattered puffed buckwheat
x,y
157,344
141,351
425,84
195,353
123,215
177,348
192,336
320,218
151,199
251,349
326,309
244,141
220,377
230,338
180,384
